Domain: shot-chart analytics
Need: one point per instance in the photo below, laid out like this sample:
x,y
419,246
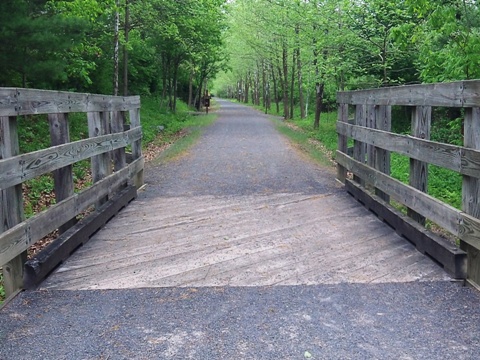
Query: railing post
x,y
383,121
101,164
136,146
471,190
11,206
421,121
358,146
342,141
63,178
117,126
371,123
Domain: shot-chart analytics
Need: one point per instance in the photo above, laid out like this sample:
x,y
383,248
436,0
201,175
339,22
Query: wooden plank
x,y
462,160
137,146
21,236
454,94
98,124
11,208
18,169
449,256
421,123
433,209
371,124
470,198
359,147
55,253
342,141
63,177
382,157
16,101
119,159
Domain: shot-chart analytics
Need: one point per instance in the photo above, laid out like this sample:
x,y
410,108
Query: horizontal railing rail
x,y
108,138
373,142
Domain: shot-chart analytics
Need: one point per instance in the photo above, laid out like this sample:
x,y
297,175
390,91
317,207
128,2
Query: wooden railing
x,y
369,165
105,147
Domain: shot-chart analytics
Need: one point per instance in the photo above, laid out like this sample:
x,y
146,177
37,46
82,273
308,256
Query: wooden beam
x,y
137,146
55,253
454,94
471,194
342,141
421,123
17,169
98,125
453,260
359,147
455,221
16,101
382,157
11,208
18,238
63,177
457,158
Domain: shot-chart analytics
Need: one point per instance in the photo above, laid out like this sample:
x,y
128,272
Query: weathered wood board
x,y
243,241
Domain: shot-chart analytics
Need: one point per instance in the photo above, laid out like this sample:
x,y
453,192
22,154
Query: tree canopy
x,y
167,47
283,53
304,51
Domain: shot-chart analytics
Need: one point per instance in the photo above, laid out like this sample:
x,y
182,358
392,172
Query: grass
x,y
303,140
192,128
2,290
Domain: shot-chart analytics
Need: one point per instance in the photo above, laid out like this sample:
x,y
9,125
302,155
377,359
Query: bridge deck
x,y
242,209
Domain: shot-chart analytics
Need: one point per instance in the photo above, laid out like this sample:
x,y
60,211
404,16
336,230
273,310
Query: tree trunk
x,y
190,88
116,48
247,87
300,85
292,87
125,49
285,80
319,87
275,90
174,89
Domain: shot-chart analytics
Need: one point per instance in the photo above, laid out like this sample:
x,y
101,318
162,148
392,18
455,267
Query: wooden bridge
x,y
115,183
192,266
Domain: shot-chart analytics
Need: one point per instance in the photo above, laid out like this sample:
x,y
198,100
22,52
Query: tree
x,y
34,44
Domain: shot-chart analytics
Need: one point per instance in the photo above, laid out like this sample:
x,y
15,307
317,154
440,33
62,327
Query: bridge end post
x,y
11,206
137,147
471,192
342,141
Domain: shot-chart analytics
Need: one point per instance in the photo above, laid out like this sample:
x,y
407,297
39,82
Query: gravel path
x,y
242,156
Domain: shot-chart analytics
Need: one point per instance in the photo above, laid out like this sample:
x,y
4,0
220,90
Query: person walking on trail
x,y
206,100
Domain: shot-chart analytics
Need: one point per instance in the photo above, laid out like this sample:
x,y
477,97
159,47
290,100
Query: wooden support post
x,y
117,122
359,148
98,124
11,206
421,122
136,146
371,121
63,178
383,121
342,141
471,191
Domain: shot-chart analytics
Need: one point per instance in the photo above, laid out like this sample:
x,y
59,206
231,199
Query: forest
x,y
166,48
299,53
283,53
